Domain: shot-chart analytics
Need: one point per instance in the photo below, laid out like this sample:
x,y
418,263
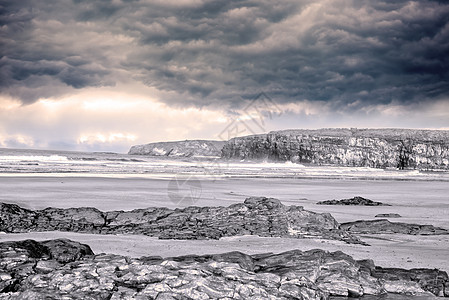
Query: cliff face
x,y
378,148
181,149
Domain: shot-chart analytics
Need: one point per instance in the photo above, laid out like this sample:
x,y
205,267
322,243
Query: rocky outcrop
x,y
21,259
434,281
385,226
260,216
29,271
377,148
353,201
388,215
185,148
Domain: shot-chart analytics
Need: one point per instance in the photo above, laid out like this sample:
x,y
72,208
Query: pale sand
x,y
422,202
388,250
417,201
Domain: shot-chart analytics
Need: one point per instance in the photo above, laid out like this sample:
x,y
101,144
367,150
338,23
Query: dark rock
x,y
21,259
256,216
31,247
314,274
185,148
353,201
64,250
389,215
376,148
13,215
433,281
385,226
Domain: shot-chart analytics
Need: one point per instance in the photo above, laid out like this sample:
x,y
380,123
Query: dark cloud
x,y
216,52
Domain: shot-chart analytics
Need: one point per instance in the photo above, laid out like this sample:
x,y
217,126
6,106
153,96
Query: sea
x,y
26,162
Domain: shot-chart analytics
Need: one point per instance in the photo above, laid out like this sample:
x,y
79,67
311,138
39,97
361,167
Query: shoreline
x,y
422,176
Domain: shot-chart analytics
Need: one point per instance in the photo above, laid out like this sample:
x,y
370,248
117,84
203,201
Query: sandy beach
x,y
387,250
418,202
421,202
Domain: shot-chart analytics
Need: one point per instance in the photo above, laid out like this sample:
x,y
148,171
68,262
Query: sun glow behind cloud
x,y
113,119
101,119
99,137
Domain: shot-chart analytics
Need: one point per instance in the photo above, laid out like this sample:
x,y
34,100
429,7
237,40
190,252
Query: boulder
x,y
65,250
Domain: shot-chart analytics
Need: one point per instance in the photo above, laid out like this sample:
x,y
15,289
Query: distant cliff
x,y
378,148
181,148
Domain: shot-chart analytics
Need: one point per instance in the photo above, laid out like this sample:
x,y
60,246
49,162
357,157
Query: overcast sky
x,y
106,74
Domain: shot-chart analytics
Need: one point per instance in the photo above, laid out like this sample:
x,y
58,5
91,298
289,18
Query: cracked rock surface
x,y
385,226
63,269
266,217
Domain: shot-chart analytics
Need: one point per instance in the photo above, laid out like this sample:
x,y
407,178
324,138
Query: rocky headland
x,y
265,217
377,148
63,269
185,148
357,200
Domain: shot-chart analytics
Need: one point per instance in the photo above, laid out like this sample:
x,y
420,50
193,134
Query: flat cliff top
x,y
188,142
386,133
179,148
185,143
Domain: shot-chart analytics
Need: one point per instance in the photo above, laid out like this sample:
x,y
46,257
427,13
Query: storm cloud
x,y
200,52
104,74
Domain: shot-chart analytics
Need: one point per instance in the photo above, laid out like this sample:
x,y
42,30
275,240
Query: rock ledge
x,y
357,200
261,216
28,270
385,226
